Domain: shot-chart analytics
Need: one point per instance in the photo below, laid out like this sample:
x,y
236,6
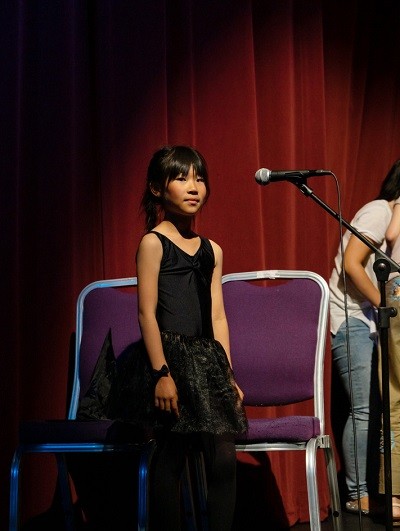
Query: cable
x,y
351,395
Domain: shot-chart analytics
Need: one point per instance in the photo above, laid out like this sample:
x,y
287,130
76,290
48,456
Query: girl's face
x,y
185,195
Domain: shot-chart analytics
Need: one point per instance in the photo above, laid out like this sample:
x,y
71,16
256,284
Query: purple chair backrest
x,y
273,334
105,309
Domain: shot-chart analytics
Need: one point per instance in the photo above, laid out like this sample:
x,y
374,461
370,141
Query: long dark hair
x,y
166,164
390,188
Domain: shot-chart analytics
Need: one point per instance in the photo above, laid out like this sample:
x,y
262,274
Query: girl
x,y
185,333
363,297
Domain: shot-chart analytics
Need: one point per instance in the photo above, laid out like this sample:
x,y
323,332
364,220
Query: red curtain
x,y
91,89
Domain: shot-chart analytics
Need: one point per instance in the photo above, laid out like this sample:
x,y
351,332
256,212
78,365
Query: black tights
x,y
220,463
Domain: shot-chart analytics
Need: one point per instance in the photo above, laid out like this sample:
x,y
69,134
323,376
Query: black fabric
x,y
124,389
95,403
208,399
220,466
184,297
106,485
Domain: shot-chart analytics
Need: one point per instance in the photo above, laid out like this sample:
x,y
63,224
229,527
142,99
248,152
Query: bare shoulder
x,y
150,239
218,253
215,246
150,244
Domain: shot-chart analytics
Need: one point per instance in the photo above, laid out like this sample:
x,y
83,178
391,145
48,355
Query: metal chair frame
x,y
322,441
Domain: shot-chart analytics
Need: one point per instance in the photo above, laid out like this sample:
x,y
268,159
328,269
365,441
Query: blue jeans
x,y
365,386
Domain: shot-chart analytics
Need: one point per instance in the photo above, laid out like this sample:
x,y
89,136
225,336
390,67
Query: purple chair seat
x,y
84,431
289,429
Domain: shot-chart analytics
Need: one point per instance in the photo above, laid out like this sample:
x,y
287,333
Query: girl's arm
x,y
393,230
219,320
148,261
356,257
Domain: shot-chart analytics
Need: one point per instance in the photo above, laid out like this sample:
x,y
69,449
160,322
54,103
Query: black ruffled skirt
x,y
208,399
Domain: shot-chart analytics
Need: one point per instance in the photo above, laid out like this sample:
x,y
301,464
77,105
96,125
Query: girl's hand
x,y
166,395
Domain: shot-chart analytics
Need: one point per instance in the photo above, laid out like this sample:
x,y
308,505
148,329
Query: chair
x,y
278,333
100,307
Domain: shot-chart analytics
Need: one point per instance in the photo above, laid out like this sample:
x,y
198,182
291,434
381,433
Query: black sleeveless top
x,y
184,289
123,389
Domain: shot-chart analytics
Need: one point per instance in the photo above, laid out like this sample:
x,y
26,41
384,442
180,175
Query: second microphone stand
x,y
383,266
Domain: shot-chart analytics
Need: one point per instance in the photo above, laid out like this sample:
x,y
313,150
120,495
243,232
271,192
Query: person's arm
x,y
393,230
219,320
148,261
355,259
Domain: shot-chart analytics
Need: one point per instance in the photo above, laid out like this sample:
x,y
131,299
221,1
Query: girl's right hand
x,y
166,395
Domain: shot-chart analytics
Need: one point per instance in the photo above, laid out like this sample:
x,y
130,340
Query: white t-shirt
x,y
394,254
372,221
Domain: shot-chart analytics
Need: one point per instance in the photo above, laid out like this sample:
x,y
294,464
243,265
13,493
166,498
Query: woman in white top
x,y
393,300
363,297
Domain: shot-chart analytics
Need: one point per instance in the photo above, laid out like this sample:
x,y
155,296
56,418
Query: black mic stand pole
x,y
383,266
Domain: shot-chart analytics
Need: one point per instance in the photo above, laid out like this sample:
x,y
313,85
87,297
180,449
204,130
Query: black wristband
x,y
156,375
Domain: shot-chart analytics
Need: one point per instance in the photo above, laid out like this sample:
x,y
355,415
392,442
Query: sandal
x,y
352,507
396,519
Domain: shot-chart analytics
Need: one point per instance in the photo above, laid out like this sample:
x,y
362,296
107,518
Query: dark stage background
x,y
89,90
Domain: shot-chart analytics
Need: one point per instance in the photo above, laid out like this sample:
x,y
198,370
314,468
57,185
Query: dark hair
x,y
390,188
166,164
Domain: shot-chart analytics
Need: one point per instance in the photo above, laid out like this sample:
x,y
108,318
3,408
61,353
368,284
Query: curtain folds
x,y
91,89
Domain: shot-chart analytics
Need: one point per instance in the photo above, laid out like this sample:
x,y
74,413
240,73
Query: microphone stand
x,y
383,266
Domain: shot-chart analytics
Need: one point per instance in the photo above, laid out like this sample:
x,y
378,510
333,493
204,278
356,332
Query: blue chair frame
x,y
81,445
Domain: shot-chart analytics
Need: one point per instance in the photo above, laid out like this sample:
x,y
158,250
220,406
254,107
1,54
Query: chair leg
x,y
312,488
14,490
188,499
143,485
195,473
65,492
201,482
333,487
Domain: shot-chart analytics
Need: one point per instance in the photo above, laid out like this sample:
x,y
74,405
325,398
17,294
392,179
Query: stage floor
x,y
351,522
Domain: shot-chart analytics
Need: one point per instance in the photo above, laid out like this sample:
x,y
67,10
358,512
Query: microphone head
x,y
263,176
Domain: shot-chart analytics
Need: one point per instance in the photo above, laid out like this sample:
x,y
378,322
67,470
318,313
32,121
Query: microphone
x,y
264,176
